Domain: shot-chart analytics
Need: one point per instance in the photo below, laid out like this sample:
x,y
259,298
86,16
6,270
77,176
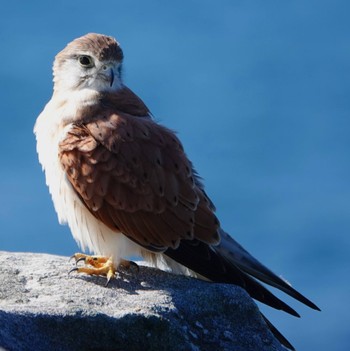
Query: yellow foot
x,y
100,265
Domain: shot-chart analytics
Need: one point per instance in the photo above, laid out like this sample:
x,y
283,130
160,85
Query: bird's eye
x,y
86,61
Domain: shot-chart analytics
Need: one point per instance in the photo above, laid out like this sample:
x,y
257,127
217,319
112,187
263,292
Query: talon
x,y
77,257
73,270
80,259
110,275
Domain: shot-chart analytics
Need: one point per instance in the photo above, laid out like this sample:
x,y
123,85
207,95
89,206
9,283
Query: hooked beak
x,y
106,74
111,76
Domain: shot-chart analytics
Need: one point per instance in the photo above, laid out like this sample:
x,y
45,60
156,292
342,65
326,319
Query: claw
x,y
76,257
110,275
73,270
79,259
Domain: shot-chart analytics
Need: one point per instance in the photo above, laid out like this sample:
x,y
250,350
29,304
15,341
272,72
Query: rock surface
x,y
42,308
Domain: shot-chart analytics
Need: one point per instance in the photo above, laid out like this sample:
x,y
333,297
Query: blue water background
x,y
259,94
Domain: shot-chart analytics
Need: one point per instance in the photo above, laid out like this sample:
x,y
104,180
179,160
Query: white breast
x,y
89,232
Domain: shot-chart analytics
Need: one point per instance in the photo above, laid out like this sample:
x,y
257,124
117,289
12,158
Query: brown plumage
x,y
133,173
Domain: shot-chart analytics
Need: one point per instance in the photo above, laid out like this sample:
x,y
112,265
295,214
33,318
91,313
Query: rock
x,y
42,308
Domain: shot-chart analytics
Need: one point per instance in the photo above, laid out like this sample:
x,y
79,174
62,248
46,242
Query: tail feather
x,y
204,260
237,255
278,335
230,263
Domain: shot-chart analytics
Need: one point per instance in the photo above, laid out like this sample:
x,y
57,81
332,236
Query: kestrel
x,y
125,186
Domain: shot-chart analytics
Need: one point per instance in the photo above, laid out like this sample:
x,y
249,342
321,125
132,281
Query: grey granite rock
x,y
42,308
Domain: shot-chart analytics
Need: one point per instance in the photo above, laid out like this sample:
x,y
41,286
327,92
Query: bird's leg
x,y
100,265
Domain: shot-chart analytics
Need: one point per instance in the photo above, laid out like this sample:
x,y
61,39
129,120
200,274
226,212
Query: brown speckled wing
x,y
133,175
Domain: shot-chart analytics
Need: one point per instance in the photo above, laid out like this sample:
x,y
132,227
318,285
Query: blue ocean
x,y
259,95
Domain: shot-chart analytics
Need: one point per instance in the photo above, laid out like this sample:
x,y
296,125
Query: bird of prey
x,y
125,186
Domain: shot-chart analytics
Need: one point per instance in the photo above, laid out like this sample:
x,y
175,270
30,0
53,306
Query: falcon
x,y
124,185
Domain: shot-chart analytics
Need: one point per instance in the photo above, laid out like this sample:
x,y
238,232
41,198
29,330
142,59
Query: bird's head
x,y
92,62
